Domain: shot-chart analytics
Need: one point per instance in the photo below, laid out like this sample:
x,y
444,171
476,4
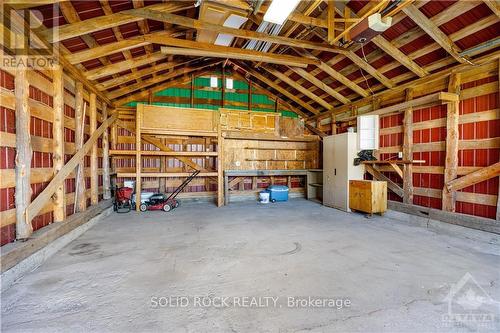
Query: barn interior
x,y
250,165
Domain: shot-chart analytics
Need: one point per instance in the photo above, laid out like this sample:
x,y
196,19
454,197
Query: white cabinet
x,y
339,152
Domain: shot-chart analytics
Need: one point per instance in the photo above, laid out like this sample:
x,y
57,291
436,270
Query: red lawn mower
x,y
159,201
123,200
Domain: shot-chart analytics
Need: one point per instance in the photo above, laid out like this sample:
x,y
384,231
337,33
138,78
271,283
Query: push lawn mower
x,y
159,201
123,200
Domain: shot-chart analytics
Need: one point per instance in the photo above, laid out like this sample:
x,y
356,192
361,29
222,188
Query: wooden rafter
x,y
399,56
121,66
142,73
138,96
267,92
298,87
193,48
154,80
71,30
277,87
434,32
318,83
247,34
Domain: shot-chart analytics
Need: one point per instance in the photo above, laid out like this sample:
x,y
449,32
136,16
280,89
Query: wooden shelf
x,y
275,149
387,162
165,175
163,153
315,184
272,160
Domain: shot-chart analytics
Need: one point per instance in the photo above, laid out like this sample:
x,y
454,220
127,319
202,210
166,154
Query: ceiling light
x,y
279,10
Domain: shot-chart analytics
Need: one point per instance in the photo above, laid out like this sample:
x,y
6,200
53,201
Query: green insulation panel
x,y
202,91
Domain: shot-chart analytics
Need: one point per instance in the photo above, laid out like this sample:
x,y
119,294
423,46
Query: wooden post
x,y
24,229
249,94
276,104
58,141
114,143
80,200
138,158
150,98
451,162
192,91
223,90
94,180
334,125
105,157
408,151
162,182
330,18
220,164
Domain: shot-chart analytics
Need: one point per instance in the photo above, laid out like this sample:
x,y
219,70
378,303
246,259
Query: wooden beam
x,y
121,66
377,7
494,6
265,91
59,178
330,19
434,32
399,56
138,158
106,181
408,150
58,140
452,138
123,79
24,229
369,69
220,162
163,153
299,88
342,79
104,50
80,200
137,96
318,83
94,184
279,89
146,83
158,143
432,99
315,130
246,34
474,177
380,176
193,48
85,27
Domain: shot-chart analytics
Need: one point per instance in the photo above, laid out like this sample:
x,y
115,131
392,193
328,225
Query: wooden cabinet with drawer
x,y
368,196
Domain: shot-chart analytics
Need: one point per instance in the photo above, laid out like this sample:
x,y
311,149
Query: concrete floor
x,y
395,275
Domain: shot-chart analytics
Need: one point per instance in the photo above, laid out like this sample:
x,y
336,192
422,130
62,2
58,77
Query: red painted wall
x,y
477,157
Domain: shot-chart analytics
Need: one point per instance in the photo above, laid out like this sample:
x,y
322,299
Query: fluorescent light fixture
x,y
279,10
229,83
213,82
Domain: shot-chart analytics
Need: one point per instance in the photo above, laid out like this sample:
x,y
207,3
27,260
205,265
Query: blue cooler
x,y
278,193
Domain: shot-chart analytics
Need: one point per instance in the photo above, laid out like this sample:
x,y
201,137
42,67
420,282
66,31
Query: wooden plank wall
x,y
41,109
